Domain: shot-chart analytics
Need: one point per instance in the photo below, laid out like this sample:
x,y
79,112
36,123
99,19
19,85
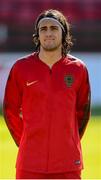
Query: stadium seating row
x,y
17,19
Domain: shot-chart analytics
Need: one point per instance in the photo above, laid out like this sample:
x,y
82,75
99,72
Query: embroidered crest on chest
x,y
68,80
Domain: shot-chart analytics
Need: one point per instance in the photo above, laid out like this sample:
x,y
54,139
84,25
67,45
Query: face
x,y
50,35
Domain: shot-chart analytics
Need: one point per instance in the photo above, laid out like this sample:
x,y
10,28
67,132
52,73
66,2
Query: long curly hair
x,y
67,41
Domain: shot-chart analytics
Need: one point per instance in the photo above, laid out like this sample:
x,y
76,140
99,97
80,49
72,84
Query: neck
x,y
50,57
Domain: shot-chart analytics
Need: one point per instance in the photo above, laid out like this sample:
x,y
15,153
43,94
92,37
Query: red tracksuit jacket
x,y
46,111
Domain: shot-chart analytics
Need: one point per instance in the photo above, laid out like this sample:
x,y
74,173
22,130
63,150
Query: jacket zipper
x,y
49,126
50,71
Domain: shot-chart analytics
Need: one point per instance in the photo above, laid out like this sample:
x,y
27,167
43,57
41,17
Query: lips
x,y
49,39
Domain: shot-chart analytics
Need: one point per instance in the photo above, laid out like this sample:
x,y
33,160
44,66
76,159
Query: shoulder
x,y
25,60
75,65
77,68
75,62
23,65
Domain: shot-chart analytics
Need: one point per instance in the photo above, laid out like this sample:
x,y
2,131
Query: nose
x,y
48,32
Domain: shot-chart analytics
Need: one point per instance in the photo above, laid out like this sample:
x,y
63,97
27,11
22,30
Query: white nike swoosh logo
x,y
31,83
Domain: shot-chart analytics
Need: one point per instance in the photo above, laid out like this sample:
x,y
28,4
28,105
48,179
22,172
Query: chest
x,y
58,78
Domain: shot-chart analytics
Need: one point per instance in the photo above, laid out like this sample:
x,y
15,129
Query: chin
x,y
50,49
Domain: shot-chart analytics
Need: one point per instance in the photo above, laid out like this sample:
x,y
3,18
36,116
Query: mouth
x,y
49,39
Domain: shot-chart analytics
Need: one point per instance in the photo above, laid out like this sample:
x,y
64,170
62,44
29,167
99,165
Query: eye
x,y
43,29
54,27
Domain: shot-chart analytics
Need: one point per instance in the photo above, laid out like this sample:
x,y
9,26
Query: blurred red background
x,y
17,19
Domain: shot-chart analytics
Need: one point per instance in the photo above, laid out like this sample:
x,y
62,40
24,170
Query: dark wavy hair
x,y
67,41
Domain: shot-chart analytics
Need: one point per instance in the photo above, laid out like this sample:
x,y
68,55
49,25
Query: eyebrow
x,y
52,26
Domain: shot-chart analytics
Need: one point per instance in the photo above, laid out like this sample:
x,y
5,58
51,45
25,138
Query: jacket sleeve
x,y
12,107
83,102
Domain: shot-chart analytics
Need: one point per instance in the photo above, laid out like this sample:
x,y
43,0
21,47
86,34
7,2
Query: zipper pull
x,y
50,71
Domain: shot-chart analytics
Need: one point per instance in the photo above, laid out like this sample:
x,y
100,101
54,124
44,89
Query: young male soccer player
x,y
47,104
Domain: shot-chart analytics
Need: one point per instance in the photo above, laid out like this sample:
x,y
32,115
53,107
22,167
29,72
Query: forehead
x,y
48,22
